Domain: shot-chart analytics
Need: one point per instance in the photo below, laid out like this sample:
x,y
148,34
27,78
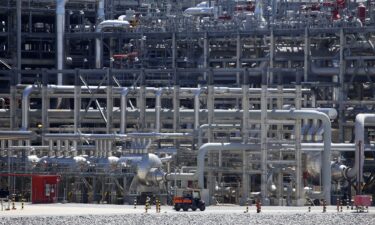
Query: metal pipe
x,y
360,121
60,27
25,106
98,42
124,94
100,13
157,109
196,108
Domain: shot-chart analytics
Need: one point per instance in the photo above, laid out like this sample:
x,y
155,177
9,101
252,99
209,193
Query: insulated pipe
x,y
100,13
158,109
99,28
60,27
25,106
124,94
359,128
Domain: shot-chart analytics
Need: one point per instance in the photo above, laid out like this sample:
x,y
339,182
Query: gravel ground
x,y
189,218
97,214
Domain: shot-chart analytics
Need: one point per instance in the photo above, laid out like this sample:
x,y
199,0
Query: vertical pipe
x,y
205,54
341,87
196,108
210,109
245,108
174,50
66,148
245,177
238,59
158,109
58,150
25,106
109,101
2,153
60,27
77,108
306,55
50,150
19,30
123,125
100,13
45,104
141,102
298,154
264,154
272,54
97,147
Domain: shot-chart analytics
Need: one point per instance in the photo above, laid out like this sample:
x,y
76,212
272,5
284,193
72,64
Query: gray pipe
x,y
98,44
124,94
331,71
100,13
196,108
360,121
158,94
60,26
16,135
25,106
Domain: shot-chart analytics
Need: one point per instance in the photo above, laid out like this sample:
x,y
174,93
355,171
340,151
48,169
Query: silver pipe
x,y
360,121
196,108
100,13
60,26
25,106
98,43
16,135
158,94
124,94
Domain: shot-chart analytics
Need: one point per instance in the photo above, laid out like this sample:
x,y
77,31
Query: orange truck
x,y
188,199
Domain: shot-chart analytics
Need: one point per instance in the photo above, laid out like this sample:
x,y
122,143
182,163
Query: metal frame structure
x,y
106,84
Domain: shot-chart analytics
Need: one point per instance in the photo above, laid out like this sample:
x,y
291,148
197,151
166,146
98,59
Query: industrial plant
x,y
118,101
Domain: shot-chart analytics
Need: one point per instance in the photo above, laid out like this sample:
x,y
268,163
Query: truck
x,y
188,199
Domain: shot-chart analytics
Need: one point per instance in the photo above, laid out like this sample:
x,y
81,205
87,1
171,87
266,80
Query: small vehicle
x,y
188,198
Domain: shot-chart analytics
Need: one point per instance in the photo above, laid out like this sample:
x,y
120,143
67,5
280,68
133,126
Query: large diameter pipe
x,y
359,128
98,43
25,106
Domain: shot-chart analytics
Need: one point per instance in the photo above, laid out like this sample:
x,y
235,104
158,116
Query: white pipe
x,y
124,94
360,121
25,106
99,28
